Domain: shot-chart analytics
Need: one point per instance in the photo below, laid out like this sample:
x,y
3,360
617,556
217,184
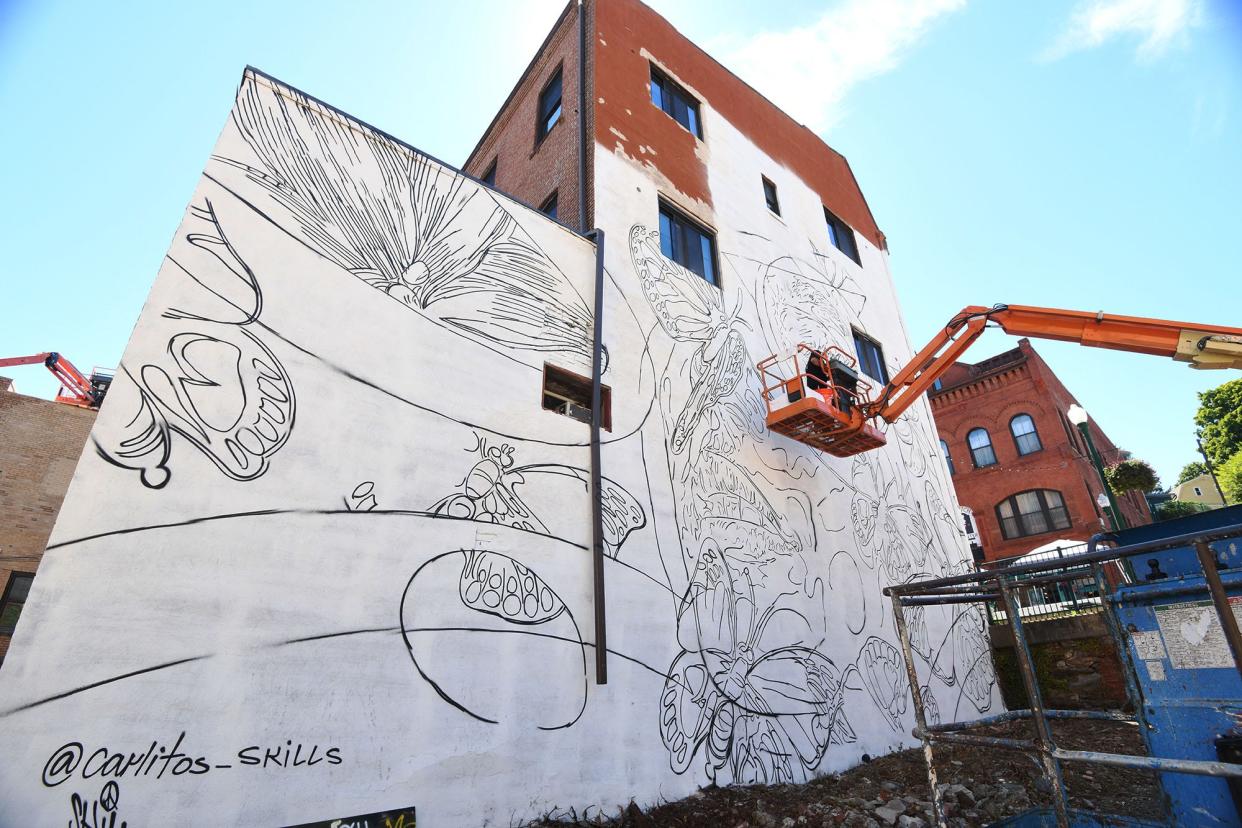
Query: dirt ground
x,y
984,785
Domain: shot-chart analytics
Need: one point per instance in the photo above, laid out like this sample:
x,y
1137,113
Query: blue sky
x,y
1072,153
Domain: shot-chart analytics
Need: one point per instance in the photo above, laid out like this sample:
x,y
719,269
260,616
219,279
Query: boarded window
x,y
570,394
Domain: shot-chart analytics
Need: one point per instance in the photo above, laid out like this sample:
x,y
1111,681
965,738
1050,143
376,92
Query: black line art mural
x,y
326,486
217,385
489,494
499,601
421,234
98,813
362,497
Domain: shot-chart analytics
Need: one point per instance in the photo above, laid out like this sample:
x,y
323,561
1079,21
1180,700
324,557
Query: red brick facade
x,y
624,39
527,168
989,395
40,442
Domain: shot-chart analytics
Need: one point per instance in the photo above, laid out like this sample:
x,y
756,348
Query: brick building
x,y
40,442
1016,461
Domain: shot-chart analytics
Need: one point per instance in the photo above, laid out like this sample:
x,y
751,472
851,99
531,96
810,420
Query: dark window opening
x,y
1032,513
550,105
570,394
769,195
489,177
981,451
15,593
548,208
688,243
870,358
948,458
1025,437
679,104
841,236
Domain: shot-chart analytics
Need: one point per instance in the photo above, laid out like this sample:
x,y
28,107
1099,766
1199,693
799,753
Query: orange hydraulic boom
x,y
826,406
75,388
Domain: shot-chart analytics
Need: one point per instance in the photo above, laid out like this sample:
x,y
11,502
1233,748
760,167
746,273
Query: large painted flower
x,y
423,234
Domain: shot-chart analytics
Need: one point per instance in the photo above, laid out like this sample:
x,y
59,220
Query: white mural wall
x,y
330,556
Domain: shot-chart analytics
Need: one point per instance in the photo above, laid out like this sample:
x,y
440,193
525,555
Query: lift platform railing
x,y
1001,586
785,377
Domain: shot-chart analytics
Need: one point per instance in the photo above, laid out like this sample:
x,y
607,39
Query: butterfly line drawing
x,y
488,493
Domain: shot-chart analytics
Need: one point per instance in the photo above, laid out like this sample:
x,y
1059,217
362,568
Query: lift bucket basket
x,y
815,397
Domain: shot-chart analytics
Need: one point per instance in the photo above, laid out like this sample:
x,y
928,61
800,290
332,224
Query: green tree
x,y
1178,508
1220,420
1132,476
1230,476
1190,471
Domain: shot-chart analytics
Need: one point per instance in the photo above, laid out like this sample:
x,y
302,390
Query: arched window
x,y
980,443
1025,437
1030,513
948,458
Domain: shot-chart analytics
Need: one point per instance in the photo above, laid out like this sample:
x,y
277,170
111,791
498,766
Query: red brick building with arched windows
x,y
1016,461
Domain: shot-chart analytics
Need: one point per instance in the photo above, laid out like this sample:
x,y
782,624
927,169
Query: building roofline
x,y
548,39
782,112
336,110
521,79
1001,362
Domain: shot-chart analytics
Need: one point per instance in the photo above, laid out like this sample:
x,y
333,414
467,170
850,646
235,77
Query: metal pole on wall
x,y
597,506
1078,417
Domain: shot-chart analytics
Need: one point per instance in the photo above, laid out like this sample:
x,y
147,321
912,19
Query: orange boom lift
x,y
75,388
816,397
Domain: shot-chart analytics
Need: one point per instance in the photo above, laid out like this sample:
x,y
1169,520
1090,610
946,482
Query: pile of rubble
x,y
979,786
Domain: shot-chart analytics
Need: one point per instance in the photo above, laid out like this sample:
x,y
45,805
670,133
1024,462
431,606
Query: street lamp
x,y
1077,415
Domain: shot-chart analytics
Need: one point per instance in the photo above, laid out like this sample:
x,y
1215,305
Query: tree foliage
x,y
1132,476
1219,419
1190,471
1178,508
1230,477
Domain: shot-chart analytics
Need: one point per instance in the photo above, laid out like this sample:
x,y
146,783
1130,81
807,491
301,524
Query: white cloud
x,y
1158,23
808,71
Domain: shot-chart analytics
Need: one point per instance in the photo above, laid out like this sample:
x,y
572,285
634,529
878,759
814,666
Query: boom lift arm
x,y
76,389
1203,346
831,410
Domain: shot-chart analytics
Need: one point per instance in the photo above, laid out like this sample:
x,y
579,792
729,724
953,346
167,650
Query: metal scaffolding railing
x,y
1002,586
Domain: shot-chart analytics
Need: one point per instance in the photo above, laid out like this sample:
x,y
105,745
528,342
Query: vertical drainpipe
x,y
582,119
597,509
597,366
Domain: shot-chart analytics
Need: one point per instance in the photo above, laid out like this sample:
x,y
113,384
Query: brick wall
x,y
989,395
40,441
527,168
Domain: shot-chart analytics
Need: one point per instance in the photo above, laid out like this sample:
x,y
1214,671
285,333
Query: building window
x,y
677,102
980,443
1198,491
548,208
870,357
489,177
15,593
688,243
841,236
1031,513
769,195
948,458
938,384
1025,437
570,394
549,105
